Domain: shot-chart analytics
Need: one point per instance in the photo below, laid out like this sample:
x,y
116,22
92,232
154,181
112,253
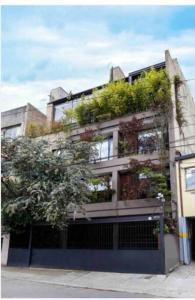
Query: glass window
x,y
190,178
12,132
148,141
104,150
59,110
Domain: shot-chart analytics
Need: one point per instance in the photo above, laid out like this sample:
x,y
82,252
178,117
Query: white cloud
x,y
78,56
37,93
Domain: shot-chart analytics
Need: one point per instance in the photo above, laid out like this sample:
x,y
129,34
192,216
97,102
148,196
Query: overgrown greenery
x,y
40,186
35,130
150,91
179,107
101,189
155,180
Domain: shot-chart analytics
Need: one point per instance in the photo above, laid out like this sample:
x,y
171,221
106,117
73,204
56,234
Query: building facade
x,y
15,122
185,165
126,228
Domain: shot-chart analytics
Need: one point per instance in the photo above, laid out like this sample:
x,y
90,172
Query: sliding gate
x,y
112,244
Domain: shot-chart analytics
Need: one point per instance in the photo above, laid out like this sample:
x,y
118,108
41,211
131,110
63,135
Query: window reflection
x,y
149,141
104,150
12,132
190,178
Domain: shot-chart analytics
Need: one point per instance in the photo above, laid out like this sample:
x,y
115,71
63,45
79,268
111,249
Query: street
x,y
17,288
17,282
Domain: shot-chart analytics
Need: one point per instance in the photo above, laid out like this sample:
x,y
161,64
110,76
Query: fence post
x,y
30,246
162,243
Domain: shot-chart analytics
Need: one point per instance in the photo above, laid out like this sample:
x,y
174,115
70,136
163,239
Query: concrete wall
x,y
14,117
179,137
33,115
114,167
5,249
171,245
187,197
22,116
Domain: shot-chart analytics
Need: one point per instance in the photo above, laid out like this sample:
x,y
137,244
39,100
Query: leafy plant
x,y
150,91
40,186
101,189
155,181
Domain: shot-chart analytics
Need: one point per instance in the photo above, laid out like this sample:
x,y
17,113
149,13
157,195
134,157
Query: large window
x,y
59,110
12,132
149,141
190,178
104,150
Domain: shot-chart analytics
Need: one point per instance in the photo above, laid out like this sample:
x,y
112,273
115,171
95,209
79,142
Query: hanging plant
x,y
87,136
128,139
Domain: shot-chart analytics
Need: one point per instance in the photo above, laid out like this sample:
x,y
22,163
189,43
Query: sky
x,y
44,47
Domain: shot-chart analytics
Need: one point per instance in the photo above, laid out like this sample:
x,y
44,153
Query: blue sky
x,y
74,46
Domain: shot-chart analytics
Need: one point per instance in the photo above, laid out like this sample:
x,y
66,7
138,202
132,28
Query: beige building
x,y
185,166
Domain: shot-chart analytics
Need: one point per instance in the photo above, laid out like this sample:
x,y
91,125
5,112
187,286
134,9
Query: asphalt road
x,y
16,288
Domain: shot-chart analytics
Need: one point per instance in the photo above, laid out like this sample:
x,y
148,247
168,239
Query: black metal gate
x,y
125,244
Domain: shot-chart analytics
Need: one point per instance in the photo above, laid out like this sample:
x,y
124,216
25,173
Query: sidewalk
x,y
180,283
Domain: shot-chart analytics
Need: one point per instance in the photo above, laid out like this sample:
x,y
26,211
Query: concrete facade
x,y
178,141
22,116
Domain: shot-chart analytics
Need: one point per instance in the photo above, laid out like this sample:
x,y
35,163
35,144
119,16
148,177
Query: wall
x,y
22,115
5,249
14,117
188,197
34,115
171,252
178,138
114,167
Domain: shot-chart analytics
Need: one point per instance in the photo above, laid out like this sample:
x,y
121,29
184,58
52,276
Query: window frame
x,y
186,185
6,129
109,156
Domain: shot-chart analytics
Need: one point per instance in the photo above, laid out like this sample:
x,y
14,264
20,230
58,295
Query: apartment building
x,y
125,231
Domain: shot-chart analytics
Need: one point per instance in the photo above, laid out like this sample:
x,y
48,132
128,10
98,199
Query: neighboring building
x,y
185,165
14,122
120,234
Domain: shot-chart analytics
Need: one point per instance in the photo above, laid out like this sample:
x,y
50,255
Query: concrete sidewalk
x,y
179,284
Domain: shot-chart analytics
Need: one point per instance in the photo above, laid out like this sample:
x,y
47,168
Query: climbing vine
x,y
178,104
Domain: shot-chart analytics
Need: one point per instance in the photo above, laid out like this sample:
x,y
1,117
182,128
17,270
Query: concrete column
x,y
63,237
5,249
115,186
184,242
50,114
115,143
